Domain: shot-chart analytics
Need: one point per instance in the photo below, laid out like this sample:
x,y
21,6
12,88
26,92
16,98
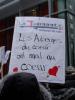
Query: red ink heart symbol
x,y
53,71
15,69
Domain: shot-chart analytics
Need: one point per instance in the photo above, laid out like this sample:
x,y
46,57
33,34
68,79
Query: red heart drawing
x,y
15,69
53,71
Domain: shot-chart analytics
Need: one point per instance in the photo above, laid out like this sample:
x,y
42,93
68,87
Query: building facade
x,y
9,9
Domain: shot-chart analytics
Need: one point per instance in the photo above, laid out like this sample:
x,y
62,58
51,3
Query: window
x,y
38,10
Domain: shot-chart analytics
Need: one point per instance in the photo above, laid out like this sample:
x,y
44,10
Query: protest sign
x,y
2,54
39,47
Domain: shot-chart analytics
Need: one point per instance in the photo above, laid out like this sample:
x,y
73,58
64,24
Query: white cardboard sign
x,y
2,54
39,47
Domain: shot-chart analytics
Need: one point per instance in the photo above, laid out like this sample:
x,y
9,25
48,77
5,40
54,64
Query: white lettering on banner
x,y
39,47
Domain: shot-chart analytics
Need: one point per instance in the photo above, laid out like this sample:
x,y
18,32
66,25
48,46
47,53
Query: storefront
x,y
9,9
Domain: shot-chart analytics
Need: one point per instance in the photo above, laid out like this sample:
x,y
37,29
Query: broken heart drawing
x,y
53,71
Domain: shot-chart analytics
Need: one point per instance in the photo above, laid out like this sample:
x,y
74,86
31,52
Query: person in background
x,y
21,85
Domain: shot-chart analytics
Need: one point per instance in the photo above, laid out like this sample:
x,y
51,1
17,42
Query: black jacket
x,y
22,85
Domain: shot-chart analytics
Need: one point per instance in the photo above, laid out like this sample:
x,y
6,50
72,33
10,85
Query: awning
x,y
9,7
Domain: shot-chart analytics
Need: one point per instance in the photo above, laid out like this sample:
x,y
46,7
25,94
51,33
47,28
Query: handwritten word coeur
x,y
53,71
